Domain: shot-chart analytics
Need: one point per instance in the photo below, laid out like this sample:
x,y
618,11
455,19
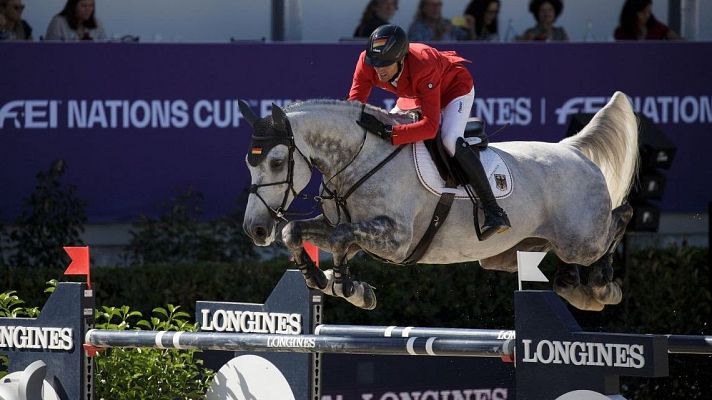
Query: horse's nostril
x,y
260,232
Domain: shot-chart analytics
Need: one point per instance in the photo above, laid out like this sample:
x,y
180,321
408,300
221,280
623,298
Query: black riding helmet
x,y
387,45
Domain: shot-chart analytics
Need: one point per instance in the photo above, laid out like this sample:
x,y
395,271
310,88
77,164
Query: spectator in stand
x,y
545,13
484,19
377,13
76,22
12,26
637,22
429,24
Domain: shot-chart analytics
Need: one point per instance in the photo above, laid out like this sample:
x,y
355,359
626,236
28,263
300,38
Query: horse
x,y
567,197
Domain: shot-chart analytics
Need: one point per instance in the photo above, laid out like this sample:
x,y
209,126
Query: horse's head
x,y
278,170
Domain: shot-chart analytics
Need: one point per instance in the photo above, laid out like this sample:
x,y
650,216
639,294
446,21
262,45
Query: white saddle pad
x,y
498,173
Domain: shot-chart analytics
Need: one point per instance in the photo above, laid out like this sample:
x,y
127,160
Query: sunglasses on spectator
x,y
19,8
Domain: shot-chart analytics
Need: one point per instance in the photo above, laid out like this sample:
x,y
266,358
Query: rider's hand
x,y
372,124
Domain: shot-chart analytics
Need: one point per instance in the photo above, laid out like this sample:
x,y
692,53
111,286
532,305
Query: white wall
x,y
323,20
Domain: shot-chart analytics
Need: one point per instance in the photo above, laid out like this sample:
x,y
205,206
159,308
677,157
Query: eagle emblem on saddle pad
x,y
501,181
498,173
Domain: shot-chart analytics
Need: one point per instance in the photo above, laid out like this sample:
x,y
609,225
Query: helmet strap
x,y
397,74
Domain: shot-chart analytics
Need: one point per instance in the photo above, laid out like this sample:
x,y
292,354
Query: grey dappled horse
x,y
568,197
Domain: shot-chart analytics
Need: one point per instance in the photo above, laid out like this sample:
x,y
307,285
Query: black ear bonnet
x,y
268,132
264,138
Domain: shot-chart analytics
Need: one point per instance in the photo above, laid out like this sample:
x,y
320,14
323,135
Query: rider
x,y
439,84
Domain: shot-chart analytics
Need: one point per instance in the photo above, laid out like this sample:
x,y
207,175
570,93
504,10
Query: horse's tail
x,y
610,140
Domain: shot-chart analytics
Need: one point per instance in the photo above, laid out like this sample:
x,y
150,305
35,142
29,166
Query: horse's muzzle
x,y
259,233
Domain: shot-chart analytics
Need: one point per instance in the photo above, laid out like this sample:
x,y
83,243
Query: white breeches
x,y
454,118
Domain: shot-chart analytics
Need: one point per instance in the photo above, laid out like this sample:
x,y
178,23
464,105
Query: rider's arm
x,y
363,80
427,127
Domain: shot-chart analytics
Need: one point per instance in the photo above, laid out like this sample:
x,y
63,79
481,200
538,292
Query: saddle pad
x,y
498,173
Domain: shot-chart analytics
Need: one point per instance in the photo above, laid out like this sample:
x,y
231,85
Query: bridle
x,y
280,213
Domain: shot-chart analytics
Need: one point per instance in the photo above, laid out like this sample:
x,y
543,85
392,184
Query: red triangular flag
x,y
312,252
80,262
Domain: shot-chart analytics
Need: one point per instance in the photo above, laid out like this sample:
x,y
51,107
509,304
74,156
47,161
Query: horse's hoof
x,y
608,294
320,281
363,296
329,279
581,297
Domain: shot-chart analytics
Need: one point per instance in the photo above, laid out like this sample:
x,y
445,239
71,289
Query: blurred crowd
x,y
479,21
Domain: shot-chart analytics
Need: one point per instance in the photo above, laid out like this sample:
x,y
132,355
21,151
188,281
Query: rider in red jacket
x,y
438,83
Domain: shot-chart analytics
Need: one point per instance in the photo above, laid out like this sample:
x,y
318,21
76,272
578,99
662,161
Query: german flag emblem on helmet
x,y
378,44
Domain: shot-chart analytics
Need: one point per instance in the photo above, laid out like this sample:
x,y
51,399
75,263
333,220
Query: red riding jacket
x,y
430,80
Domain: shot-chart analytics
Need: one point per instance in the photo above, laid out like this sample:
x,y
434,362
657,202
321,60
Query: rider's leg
x,y
455,116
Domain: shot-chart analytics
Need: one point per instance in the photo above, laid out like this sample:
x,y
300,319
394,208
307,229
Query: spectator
x,y
545,13
76,22
637,22
12,26
484,14
429,24
377,13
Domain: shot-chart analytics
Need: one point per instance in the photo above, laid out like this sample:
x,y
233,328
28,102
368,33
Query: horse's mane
x,y
347,106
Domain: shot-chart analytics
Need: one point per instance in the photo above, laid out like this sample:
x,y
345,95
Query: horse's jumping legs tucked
x,y
293,236
379,236
601,288
600,279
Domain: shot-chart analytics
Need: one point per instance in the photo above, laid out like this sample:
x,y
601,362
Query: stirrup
x,y
500,225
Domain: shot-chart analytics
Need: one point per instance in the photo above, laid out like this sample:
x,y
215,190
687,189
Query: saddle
x,y
453,176
447,167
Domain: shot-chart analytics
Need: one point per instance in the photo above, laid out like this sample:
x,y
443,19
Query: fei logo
x,y
30,114
587,105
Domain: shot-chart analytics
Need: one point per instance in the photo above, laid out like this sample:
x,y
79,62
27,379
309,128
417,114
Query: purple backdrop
x,y
137,122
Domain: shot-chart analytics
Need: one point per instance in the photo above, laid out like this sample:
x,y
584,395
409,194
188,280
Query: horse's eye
x,y
276,163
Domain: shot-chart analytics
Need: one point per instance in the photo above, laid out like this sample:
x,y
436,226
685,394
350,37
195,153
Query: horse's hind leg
x,y
567,284
600,279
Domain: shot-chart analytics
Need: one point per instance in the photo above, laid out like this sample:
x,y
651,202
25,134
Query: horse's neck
x,y
335,143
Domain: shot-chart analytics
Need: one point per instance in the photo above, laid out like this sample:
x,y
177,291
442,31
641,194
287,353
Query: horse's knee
x,y
292,235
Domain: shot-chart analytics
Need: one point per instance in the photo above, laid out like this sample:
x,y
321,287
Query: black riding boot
x,y
496,219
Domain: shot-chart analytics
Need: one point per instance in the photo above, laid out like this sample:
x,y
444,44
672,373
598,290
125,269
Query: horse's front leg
x,y
378,236
317,231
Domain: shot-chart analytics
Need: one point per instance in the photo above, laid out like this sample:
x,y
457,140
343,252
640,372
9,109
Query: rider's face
x,y
387,73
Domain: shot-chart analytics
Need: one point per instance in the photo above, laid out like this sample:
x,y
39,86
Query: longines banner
x,y
135,123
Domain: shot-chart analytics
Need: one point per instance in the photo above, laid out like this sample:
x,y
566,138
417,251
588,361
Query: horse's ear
x,y
247,113
279,118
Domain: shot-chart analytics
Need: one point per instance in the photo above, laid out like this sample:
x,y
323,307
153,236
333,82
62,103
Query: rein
x,y
340,201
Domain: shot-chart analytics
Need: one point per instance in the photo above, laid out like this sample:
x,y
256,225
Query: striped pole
x,y
412,331
430,346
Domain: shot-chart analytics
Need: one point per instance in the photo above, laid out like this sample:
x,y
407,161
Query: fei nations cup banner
x,y
135,123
